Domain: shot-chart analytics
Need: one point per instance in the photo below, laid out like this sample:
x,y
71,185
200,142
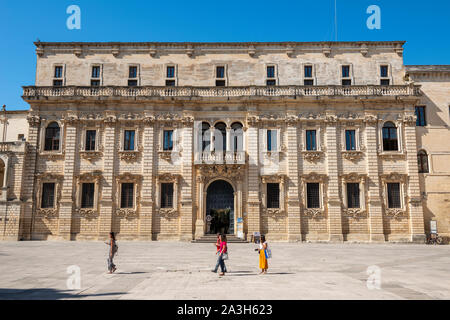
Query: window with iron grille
x,y
127,195
166,195
128,143
393,190
353,195
421,120
311,142
350,140
52,137
90,140
390,140
313,195
168,140
87,195
273,195
48,195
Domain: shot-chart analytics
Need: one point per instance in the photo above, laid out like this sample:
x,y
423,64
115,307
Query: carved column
x,y
109,159
253,201
374,209
67,192
146,212
186,211
293,204
200,223
334,201
416,223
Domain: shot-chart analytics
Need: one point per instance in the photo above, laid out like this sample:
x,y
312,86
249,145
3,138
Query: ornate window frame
x,y
281,179
138,73
225,76
322,179
130,155
351,74
400,153
389,77
361,179
167,178
402,179
358,153
275,73
312,155
313,75
91,155
175,76
167,154
136,179
57,179
88,177
62,130
63,78
100,78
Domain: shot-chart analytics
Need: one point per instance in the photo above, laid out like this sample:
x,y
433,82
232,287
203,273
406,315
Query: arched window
x,y
206,136
422,161
220,140
238,135
52,137
390,140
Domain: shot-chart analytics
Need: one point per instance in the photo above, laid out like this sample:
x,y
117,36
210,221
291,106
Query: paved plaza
x,y
175,270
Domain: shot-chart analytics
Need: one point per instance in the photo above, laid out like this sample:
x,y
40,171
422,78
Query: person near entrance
x,y
263,255
222,254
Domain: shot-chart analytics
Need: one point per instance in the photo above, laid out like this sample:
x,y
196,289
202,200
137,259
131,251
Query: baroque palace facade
x,y
320,141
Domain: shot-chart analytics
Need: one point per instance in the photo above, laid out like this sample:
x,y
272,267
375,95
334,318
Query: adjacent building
x,y
313,141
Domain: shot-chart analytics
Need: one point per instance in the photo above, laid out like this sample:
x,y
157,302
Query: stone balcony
x,y
31,93
13,147
219,157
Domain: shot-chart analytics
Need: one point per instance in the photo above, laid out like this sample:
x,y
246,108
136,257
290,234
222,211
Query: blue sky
x,y
423,24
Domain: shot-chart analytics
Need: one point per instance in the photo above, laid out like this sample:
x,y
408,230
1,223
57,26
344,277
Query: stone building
x,y
313,141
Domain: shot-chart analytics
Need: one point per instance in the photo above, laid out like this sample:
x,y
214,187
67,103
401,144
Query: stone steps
x,y
212,238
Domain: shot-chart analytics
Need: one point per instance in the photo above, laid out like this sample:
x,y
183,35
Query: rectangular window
x,y
95,83
220,72
128,143
421,117
57,83
311,142
273,195
58,72
312,195
393,190
350,140
95,72
384,71
270,71
308,71
353,195
384,82
308,82
87,195
272,140
166,195
132,72
132,83
170,83
126,195
48,195
168,140
170,72
345,71
346,82
90,140
220,83
271,82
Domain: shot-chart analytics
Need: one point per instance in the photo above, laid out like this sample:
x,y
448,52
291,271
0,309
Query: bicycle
x,y
435,239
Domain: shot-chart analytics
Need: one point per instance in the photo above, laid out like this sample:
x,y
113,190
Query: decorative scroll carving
x,y
392,156
394,177
33,120
70,118
127,177
371,119
127,213
47,213
314,213
353,156
168,212
355,213
91,155
410,120
87,213
273,178
396,213
129,156
234,171
312,156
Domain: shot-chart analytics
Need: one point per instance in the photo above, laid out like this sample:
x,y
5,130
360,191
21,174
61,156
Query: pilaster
x,y
186,211
293,203
253,201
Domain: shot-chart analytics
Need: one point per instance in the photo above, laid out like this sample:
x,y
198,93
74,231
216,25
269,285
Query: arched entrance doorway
x,y
220,208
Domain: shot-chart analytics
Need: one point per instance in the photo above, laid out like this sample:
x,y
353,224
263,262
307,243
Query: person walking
x,y
112,251
263,255
222,255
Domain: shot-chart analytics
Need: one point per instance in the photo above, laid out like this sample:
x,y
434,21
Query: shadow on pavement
x,y
47,294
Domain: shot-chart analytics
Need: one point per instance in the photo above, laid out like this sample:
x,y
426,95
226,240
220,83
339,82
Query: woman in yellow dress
x,y
263,264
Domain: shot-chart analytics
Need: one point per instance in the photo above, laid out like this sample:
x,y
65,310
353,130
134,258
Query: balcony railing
x,y
31,92
220,157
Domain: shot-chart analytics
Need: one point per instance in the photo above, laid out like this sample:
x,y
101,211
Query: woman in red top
x,y
221,250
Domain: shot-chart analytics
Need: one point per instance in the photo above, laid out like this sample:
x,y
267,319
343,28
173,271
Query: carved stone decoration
x,y
355,213
91,155
394,177
410,120
331,118
314,213
275,213
127,177
415,202
396,213
47,177
392,155
273,178
353,156
234,171
87,213
33,120
326,51
110,119
312,156
70,118
129,156
371,119
290,51
187,120
47,213
364,50
168,212
127,213
149,120
251,51
115,51
52,156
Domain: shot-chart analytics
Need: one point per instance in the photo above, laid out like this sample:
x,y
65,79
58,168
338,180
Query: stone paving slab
x,y
178,270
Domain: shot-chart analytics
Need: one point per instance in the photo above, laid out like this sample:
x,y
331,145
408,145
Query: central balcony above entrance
x,y
220,157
